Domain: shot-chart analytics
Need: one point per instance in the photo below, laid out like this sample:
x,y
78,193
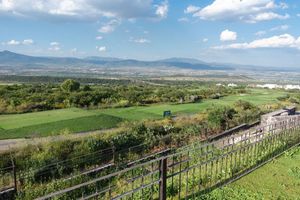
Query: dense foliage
x,y
39,97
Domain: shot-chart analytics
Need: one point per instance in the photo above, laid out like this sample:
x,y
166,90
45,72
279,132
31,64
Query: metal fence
x,y
193,170
8,181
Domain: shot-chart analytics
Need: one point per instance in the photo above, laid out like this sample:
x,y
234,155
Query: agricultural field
x,y
80,120
279,179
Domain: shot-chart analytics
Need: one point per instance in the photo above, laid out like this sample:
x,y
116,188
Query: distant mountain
x,y
8,57
97,58
12,59
184,60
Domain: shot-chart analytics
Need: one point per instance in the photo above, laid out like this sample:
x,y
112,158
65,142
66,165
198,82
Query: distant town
x,y
266,86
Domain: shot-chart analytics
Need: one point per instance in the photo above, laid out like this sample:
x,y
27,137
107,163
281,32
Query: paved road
x,y
5,144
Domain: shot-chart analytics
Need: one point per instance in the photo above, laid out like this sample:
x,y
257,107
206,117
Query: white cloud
x,y
109,26
283,5
250,11
276,28
280,28
16,42
267,16
191,9
106,29
280,41
74,51
183,19
260,33
13,42
298,15
228,35
54,43
101,48
162,9
82,9
141,41
27,42
99,37
205,40
132,20
54,46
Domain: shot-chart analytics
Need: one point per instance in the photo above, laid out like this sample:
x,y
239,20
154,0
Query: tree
x,y
87,88
3,106
220,117
70,85
244,105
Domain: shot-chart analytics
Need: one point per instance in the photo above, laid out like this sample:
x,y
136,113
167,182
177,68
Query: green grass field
x,y
80,124
29,119
279,179
78,120
257,97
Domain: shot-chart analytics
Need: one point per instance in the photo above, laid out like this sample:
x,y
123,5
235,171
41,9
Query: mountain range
x,y
12,59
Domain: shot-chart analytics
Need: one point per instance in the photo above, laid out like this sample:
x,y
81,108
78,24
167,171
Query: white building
x,y
269,86
232,85
292,87
276,86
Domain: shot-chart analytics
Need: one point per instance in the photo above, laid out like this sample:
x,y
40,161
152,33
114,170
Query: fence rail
x,y
193,170
8,181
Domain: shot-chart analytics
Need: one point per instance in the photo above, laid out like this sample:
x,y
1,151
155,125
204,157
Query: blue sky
x,y
258,32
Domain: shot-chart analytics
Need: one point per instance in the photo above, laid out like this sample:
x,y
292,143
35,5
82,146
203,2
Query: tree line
x,y
21,98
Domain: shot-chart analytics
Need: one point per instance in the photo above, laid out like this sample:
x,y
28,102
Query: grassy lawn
x,y
80,124
29,119
257,97
77,120
279,179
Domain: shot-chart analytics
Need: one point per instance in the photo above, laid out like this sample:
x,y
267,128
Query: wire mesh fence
x,y
190,171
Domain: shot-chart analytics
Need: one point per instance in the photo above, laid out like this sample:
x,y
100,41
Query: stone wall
x,y
278,115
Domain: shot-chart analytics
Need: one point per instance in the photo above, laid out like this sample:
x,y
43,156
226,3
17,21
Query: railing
x,y
8,181
193,170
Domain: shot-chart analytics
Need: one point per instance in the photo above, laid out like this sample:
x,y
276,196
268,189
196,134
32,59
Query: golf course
x,y
46,123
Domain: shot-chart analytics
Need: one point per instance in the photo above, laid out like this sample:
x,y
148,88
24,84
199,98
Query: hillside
x,y
11,59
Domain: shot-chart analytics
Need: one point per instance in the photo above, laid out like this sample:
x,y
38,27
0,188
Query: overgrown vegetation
x,y
40,97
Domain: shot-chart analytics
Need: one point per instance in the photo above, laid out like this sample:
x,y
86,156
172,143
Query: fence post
x,y
163,179
114,154
14,173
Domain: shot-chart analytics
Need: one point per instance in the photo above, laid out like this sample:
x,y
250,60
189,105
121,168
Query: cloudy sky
x,y
260,32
